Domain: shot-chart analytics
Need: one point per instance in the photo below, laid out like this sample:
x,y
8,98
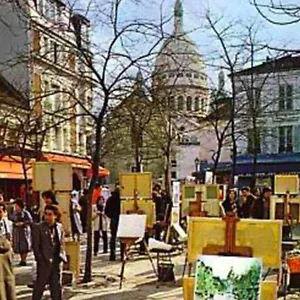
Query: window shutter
x,y
37,91
296,138
36,41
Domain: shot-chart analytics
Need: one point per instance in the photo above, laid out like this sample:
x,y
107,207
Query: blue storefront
x,y
267,166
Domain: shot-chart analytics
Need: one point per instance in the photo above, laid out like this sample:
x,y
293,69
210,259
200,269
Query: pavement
x,y
140,281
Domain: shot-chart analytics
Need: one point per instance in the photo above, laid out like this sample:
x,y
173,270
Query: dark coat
x,y
246,207
42,243
113,205
260,209
227,206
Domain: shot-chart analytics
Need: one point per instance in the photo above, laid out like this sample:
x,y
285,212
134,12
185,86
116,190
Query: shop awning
x,y
76,162
102,172
11,168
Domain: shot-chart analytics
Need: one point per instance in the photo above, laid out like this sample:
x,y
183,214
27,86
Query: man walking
x,y
48,248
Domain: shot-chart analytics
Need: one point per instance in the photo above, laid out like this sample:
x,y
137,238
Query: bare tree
x,y
278,12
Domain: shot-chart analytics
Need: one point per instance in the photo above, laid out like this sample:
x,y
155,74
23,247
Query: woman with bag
x,y
22,221
75,216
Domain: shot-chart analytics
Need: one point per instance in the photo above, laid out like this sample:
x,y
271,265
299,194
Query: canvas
x,y
132,226
228,278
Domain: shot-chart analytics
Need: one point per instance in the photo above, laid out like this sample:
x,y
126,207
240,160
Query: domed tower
x,y
181,71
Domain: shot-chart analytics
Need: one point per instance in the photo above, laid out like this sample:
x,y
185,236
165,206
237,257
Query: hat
x,y
266,189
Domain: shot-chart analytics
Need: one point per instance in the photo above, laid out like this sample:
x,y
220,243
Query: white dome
x,y
179,59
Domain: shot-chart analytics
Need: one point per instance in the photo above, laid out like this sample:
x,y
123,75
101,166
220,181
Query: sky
x,y
196,25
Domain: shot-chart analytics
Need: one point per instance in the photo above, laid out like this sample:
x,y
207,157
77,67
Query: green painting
x,y
228,278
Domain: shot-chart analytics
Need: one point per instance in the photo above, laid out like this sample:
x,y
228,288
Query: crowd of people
x,y
42,233
253,204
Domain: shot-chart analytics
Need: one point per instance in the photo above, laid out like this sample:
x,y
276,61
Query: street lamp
x,y
197,164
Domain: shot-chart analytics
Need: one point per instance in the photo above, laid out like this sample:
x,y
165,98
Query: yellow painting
x,y
140,182
250,233
286,183
146,206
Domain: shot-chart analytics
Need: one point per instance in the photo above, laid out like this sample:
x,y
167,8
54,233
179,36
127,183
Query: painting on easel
x,y
228,278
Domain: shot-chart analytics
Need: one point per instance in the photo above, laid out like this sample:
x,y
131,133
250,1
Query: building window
x,y
189,103
202,105
197,104
196,75
188,75
58,138
180,104
174,175
46,47
173,163
41,6
285,139
180,75
254,141
285,99
55,52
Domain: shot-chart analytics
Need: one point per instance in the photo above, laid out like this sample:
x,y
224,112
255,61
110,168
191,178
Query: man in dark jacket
x,y
113,210
261,206
247,200
49,252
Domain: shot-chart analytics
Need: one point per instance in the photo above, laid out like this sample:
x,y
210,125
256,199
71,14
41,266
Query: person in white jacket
x,y
100,224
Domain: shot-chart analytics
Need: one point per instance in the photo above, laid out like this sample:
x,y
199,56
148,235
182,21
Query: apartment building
x,y
44,49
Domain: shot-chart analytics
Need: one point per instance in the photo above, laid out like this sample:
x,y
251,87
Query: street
x,y
140,282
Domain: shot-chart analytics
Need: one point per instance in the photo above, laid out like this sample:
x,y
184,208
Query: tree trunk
x,y
95,167
137,159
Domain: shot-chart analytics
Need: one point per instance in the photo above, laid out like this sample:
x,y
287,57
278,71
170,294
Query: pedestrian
x,y
113,210
22,221
83,202
49,251
246,203
7,280
75,216
261,206
230,206
100,224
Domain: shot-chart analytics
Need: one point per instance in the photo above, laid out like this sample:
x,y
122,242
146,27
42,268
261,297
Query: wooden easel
x,y
128,242
229,248
287,213
196,207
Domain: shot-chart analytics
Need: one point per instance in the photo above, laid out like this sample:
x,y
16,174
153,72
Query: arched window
x,y
202,105
180,103
197,104
189,103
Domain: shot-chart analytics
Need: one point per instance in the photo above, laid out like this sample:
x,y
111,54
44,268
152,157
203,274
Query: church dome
x,y
179,61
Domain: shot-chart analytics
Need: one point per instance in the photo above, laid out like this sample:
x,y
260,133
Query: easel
x,y
196,207
287,216
126,243
230,248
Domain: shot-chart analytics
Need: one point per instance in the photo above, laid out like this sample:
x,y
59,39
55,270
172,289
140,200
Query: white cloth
x,y
96,220
6,226
74,211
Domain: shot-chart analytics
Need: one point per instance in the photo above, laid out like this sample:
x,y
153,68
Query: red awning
x,y
101,173
76,162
